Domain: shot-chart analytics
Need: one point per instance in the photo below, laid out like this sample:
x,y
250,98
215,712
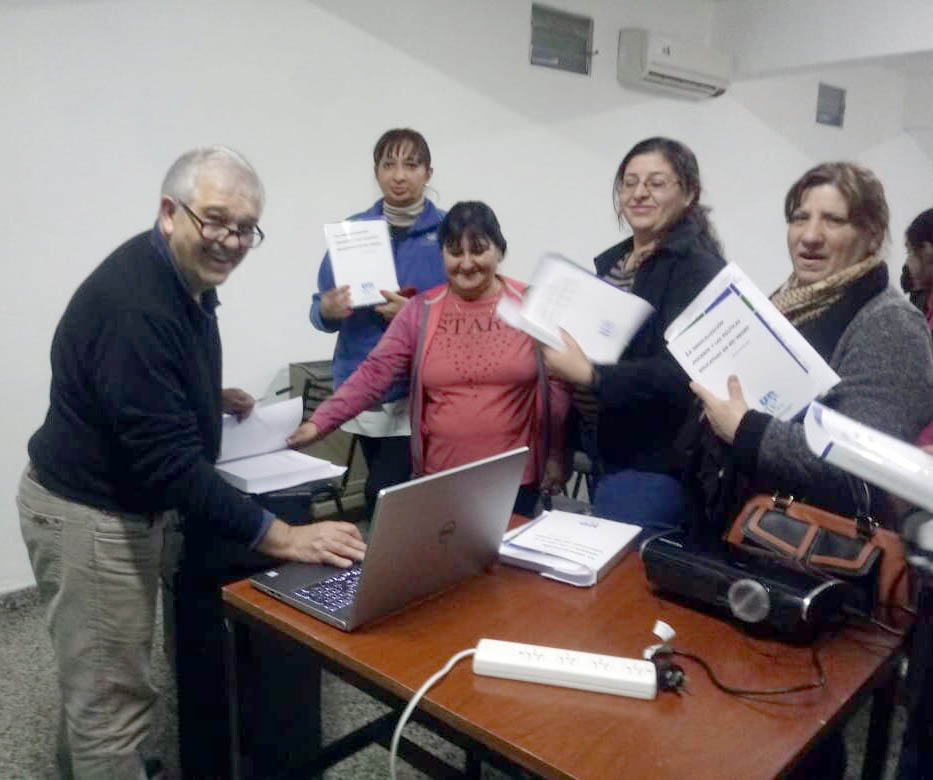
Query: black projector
x,y
755,588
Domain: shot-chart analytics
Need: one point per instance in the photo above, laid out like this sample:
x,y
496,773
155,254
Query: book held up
x,y
732,328
601,318
900,468
361,257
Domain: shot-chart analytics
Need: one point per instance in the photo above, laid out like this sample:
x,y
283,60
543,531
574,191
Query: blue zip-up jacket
x,y
418,264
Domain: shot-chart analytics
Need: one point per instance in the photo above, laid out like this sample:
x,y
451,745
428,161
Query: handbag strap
x,y
865,524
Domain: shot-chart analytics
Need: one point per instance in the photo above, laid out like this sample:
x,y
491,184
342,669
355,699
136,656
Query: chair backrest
x,y
318,385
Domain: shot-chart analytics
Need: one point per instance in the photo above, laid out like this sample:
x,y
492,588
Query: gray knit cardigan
x,y
884,360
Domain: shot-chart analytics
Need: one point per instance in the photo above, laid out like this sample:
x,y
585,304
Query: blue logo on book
x,y
769,401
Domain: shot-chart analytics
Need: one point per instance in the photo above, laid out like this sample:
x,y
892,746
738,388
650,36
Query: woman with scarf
x,y
402,166
839,299
640,402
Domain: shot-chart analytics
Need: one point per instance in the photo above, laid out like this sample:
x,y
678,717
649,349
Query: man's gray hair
x,y
180,181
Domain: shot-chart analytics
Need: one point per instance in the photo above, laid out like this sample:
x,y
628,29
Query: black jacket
x,y
644,398
135,408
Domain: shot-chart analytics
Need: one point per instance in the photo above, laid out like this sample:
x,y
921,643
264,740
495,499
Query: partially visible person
x,y
839,299
478,387
917,276
643,399
402,165
915,761
130,438
917,282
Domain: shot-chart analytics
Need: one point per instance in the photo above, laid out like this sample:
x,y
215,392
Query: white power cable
x,y
406,713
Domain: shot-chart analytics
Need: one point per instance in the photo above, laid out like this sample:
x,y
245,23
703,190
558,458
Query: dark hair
x,y
920,230
391,141
868,209
473,220
687,170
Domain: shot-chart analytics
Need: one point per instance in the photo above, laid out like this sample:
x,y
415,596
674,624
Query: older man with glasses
x,y
130,437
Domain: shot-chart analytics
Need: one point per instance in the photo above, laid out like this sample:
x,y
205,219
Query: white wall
x,y
99,97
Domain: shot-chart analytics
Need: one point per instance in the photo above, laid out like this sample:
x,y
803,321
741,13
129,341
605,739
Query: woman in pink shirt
x,y
478,387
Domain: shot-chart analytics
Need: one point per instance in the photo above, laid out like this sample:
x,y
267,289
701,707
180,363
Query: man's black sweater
x,y
134,416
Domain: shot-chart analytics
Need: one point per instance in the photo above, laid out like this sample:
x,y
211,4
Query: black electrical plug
x,y
671,676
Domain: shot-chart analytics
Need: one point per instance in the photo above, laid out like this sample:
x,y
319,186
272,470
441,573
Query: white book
x,y
361,256
568,547
255,458
891,464
732,328
602,318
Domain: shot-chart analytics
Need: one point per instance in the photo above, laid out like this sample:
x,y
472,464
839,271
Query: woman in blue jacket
x,y
402,163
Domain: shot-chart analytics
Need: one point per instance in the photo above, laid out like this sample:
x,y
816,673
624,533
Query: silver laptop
x,y
426,535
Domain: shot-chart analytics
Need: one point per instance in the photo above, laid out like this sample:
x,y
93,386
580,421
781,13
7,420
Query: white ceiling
x,y
769,37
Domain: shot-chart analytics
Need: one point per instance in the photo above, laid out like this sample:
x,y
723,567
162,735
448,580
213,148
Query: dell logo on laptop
x,y
447,530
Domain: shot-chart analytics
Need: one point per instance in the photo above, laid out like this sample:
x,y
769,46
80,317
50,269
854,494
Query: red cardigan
x,y
401,353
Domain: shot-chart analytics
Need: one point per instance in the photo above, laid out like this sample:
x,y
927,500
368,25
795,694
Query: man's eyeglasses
x,y
249,238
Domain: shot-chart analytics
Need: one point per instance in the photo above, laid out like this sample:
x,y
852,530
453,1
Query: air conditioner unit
x,y
660,63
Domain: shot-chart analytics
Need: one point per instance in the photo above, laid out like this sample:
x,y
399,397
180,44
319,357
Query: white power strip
x,y
567,668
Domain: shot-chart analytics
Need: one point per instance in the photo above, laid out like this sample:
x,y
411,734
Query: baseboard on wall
x,y
19,599
354,500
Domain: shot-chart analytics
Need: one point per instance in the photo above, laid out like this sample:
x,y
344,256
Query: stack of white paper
x,y
891,464
600,317
361,256
732,328
254,457
572,548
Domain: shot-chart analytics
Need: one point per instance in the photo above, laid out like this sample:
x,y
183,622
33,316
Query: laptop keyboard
x,y
334,593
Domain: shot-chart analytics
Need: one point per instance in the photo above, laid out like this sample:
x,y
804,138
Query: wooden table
x,y
558,732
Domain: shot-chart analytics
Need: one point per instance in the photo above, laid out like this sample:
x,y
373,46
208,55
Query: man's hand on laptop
x,y
335,543
304,434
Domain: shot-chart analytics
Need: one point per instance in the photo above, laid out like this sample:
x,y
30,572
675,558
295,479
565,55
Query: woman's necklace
x,y
475,309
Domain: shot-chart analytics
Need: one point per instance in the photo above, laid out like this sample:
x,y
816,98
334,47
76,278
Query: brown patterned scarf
x,y
803,302
633,260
